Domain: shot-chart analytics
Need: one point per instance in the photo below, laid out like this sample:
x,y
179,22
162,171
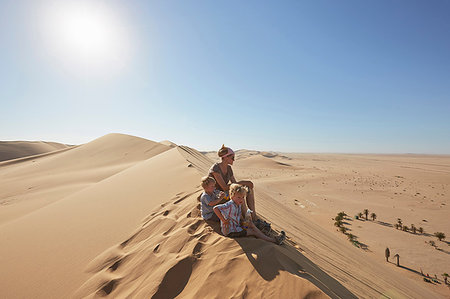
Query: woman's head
x,y
227,154
238,193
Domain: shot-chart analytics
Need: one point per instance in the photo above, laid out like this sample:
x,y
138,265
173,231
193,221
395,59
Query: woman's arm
x,y
220,180
232,178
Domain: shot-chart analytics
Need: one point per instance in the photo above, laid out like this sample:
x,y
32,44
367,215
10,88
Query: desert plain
x,y
119,217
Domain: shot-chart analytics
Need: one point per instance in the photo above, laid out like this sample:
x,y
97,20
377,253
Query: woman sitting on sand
x,y
223,174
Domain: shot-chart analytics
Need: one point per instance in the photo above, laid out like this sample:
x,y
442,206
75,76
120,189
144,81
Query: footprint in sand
x,y
116,265
193,227
197,249
108,288
181,199
175,279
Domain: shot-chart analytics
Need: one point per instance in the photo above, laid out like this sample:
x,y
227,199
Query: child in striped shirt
x,y
230,212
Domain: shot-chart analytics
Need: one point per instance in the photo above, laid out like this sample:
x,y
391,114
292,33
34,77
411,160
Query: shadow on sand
x,y
269,260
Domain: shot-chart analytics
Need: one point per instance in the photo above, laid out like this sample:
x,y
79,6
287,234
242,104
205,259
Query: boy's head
x,y
208,184
238,193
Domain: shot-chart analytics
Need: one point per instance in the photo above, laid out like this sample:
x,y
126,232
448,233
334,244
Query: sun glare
x,y
86,37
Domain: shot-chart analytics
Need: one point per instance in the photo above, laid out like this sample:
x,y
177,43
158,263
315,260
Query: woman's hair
x,y
236,188
225,151
206,180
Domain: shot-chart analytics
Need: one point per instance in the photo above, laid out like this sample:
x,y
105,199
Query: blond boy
x,y
230,212
209,198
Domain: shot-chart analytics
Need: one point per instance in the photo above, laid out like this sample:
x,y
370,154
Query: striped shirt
x,y
230,211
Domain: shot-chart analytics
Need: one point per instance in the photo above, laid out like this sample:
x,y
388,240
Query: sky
x,y
292,76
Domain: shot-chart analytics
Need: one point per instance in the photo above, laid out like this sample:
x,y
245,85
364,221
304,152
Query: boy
x,y
229,214
209,198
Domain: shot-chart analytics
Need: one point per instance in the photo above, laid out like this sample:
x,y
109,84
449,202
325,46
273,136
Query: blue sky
x,y
299,76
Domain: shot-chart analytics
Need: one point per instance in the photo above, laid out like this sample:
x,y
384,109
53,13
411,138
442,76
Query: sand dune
x,y
18,149
30,183
119,217
51,246
194,261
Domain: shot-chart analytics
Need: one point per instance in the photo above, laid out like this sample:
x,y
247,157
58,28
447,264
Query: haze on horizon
x,y
319,76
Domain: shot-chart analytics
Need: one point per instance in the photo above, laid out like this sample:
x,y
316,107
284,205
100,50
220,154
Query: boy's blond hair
x,y
236,188
206,180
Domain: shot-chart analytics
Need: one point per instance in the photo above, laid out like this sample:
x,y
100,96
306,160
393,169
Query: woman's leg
x,y
250,198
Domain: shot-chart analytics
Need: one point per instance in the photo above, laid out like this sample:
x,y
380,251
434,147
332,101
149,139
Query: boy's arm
x,y
219,214
219,199
220,181
225,222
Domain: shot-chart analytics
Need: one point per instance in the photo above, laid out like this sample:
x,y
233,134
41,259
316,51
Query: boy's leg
x,y
254,231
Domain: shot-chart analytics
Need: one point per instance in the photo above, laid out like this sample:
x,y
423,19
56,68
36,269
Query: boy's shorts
x,y
240,234
213,218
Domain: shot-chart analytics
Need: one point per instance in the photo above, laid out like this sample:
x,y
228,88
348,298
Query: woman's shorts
x,y
240,234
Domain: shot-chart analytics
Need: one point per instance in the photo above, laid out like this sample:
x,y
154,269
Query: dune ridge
x,y
17,149
29,183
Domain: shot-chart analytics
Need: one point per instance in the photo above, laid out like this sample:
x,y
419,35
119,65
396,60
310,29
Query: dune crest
x,y
18,149
33,182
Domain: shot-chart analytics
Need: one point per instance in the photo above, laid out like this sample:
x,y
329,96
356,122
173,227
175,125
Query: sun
x,y
85,37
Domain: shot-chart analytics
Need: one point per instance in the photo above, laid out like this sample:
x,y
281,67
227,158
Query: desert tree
x,y
439,235
413,228
342,229
351,237
405,228
387,254
373,216
421,230
398,259
338,223
399,221
360,215
366,212
445,275
338,218
342,214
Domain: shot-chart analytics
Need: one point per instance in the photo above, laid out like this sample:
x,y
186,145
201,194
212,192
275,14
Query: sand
x,y
119,217
18,149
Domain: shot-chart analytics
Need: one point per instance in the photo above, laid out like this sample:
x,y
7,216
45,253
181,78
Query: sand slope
x,y
176,253
33,182
52,246
18,149
314,188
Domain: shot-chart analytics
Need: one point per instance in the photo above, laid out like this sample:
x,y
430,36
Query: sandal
x,y
280,238
262,225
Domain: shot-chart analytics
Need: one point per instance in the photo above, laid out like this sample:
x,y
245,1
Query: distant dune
x,y
119,217
18,149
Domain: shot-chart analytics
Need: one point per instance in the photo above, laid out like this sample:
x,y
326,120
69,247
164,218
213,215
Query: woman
x,y
223,174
